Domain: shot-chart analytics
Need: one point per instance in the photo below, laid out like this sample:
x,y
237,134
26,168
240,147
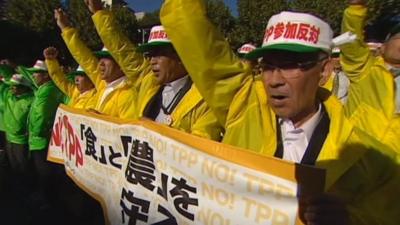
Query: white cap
x,y
40,65
246,48
158,34
18,79
298,32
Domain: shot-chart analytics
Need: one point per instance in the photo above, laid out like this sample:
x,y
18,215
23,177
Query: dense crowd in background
x,y
297,97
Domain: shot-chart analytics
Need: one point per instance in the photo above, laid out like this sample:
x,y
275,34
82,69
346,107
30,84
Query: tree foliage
x,y
81,19
329,11
221,16
150,19
127,21
37,15
253,18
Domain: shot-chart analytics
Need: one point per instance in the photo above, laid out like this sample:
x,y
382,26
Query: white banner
x,y
144,173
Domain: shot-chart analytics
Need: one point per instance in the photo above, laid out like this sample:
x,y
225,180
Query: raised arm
x,y
81,53
132,63
207,56
56,73
355,56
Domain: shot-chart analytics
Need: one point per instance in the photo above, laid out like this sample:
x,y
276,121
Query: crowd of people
x,y
297,97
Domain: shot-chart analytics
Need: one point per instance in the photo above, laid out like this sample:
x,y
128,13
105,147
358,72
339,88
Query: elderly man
x,y
115,97
166,92
81,93
374,95
286,114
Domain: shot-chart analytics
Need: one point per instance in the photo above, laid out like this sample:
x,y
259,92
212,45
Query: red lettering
x,y
268,33
303,32
63,136
290,31
56,133
279,30
314,34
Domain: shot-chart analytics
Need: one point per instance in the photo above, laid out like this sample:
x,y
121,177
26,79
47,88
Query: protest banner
x,y
145,173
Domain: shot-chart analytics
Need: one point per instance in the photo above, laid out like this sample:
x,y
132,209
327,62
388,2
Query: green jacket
x,y
360,171
41,115
3,93
16,110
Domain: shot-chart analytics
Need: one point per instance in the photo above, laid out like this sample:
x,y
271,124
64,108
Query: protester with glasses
x,y
286,114
166,93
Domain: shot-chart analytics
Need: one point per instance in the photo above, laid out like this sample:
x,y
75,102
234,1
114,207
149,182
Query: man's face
x,y
109,70
41,78
391,50
83,83
291,81
166,65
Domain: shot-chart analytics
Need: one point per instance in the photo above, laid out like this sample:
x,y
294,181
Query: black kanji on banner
x,y
136,210
140,169
103,156
90,141
182,200
180,195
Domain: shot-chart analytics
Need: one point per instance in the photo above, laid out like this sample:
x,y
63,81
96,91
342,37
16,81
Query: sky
x,y
151,5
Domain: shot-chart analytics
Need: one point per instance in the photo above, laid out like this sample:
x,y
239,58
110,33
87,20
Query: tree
x,y
150,19
333,12
127,21
35,19
327,10
253,18
221,16
81,19
36,15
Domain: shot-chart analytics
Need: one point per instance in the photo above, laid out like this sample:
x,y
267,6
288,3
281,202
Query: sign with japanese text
x,y
145,173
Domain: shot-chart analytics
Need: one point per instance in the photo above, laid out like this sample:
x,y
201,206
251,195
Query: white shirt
x,y
341,86
295,140
169,92
396,76
110,88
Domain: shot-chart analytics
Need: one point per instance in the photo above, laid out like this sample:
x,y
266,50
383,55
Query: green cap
x,y
27,73
103,53
78,72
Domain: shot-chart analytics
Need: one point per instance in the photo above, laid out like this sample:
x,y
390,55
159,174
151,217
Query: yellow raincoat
x,y
359,169
77,100
191,115
119,103
371,101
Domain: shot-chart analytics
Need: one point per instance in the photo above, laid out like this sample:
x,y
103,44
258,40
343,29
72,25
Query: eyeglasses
x,y
289,66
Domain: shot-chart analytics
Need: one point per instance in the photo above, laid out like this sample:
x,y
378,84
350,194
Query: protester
x,y
375,80
6,72
166,93
243,52
18,100
40,124
17,104
115,96
340,82
286,114
81,92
